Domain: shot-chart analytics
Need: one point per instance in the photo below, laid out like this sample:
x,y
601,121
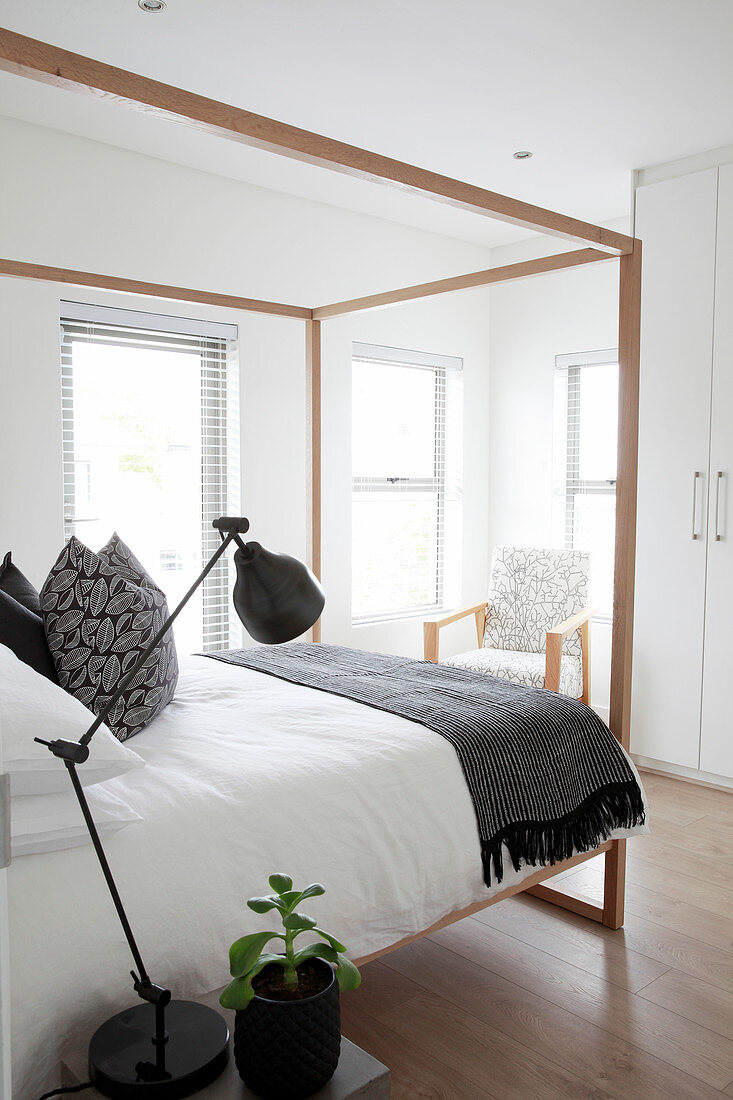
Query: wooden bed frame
x,y
46,63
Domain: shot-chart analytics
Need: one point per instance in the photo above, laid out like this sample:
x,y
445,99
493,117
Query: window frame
x,y
572,366
217,345
443,367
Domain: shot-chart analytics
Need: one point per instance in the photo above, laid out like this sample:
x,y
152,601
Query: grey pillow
x,y
100,611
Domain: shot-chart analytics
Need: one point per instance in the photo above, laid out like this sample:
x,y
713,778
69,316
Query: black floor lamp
x,y
166,1048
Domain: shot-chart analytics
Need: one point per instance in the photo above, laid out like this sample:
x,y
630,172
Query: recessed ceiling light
x,y
151,5
521,154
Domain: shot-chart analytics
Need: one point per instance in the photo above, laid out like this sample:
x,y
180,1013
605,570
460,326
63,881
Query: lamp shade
x,y
276,596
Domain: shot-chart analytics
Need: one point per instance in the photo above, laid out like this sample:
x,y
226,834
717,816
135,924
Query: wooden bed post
x,y
629,336
313,455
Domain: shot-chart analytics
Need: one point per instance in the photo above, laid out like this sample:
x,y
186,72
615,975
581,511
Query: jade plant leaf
x,y
347,974
313,891
316,951
265,904
299,922
280,883
244,953
340,947
290,898
239,993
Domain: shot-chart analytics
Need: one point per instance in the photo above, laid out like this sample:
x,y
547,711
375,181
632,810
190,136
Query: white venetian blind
x,y
406,482
151,449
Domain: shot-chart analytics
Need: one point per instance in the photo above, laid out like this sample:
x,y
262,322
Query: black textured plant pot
x,y
287,1050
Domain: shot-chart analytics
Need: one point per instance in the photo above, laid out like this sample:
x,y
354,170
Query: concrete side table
x,y
358,1076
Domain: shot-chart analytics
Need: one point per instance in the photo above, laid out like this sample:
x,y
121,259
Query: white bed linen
x,y
246,774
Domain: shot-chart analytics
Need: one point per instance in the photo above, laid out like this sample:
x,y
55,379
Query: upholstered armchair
x,y
534,627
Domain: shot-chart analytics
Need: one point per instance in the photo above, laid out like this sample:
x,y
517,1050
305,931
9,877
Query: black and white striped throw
x,y
546,775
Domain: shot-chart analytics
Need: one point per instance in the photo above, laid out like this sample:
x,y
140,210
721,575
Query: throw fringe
x,y
616,806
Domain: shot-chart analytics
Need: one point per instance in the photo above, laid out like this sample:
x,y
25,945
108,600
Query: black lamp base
x,y
125,1062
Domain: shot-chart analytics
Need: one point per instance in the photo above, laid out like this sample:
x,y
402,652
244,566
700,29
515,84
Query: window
x,y
586,419
406,482
151,449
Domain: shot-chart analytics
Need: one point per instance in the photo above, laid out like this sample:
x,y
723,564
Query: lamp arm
x,y
76,752
143,978
107,710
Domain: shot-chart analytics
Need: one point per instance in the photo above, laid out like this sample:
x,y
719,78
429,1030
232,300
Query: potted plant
x,y
287,1029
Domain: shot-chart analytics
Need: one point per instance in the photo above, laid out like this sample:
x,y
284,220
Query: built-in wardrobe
x,y
682,710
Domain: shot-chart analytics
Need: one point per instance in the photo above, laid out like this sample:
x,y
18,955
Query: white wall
x,y
69,202
532,321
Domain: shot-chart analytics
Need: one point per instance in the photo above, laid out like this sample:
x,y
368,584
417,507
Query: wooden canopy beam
x,y
524,270
51,65
21,270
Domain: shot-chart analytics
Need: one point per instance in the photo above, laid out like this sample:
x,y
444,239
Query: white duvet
x,y
246,774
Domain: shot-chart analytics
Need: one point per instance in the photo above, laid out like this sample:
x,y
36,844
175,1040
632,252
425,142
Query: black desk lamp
x,y
167,1048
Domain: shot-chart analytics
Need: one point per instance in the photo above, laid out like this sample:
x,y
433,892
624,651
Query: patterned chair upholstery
x,y
533,629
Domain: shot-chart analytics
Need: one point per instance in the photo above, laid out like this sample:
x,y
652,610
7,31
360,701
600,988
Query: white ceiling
x,y
593,88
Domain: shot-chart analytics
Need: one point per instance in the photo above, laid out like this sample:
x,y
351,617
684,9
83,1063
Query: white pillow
x,y
31,706
48,822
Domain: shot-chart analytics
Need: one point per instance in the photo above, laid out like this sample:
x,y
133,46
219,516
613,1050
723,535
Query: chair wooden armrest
x,y
431,628
553,647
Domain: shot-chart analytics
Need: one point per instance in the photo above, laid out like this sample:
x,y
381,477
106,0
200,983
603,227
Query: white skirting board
x,y
692,775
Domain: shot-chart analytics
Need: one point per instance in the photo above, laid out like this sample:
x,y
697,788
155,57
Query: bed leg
x,y
611,913
614,884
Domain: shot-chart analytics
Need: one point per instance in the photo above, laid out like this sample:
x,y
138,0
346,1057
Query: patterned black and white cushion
x,y
521,668
118,555
100,611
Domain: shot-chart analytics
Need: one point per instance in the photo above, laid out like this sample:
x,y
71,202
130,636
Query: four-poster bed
x,y
42,62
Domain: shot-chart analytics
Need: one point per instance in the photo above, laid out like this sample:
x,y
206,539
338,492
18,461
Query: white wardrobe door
x,y
676,223
716,743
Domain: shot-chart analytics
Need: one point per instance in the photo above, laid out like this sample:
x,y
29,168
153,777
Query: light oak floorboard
x,y
638,937
667,792
483,1054
715,846
416,1074
525,1000
717,827
667,912
596,1055
681,887
576,941
693,999
680,1042
650,851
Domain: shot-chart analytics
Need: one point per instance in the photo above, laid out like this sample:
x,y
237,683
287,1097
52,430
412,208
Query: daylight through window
x,y
150,440
406,482
586,421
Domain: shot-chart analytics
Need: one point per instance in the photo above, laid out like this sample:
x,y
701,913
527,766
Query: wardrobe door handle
x,y
718,480
695,479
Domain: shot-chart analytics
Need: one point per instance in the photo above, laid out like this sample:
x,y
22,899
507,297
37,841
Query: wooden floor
x,y
526,1001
